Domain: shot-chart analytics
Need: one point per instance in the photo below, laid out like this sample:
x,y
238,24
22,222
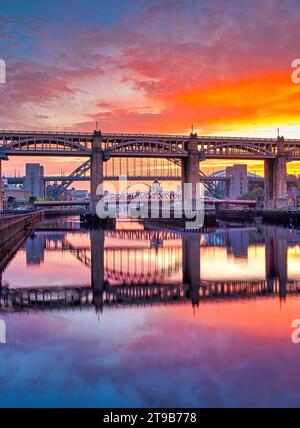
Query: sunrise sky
x,y
154,66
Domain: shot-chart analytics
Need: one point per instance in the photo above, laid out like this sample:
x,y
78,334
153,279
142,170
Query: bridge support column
x,y
269,167
191,266
96,170
1,188
276,249
97,266
276,179
191,170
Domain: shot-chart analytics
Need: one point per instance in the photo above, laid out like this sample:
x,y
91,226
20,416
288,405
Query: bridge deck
x,y
39,143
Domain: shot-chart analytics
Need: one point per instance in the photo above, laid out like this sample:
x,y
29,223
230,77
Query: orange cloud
x,y
267,100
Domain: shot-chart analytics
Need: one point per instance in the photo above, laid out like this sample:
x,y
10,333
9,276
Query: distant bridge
x,y
144,197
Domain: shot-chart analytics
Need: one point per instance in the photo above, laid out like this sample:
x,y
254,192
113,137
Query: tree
x,y
256,193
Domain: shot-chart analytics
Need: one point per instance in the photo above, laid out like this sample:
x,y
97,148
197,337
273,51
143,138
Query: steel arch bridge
x,y
171,167
38,143
186,151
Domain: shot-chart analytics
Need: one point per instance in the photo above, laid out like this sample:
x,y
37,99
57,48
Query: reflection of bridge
x,y
145,275
186,151
135,273
149,265
55,298
212,237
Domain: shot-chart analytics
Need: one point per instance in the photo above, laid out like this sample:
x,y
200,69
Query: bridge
x,y
186,151
135,169
38,143
142,197
143,171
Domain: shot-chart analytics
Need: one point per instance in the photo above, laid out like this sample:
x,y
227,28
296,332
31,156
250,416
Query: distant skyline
x,y
150,66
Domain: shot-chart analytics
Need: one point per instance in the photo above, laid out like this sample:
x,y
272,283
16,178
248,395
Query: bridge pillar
x,y
276,179
269,202
276,250
191,168
96,170
191,266
1,188
97,266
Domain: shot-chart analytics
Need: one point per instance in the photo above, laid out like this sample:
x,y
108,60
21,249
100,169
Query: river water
x,y
135,317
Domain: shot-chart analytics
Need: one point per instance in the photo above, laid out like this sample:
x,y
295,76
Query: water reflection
x,y
133,266
134,317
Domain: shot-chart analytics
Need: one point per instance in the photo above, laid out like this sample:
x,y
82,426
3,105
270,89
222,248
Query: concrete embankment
x,y
13,230
12,225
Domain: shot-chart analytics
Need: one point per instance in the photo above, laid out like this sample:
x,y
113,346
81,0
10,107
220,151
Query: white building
x,y
238,181
34,180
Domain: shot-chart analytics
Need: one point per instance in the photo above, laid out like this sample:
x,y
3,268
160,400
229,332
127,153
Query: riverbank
x,y
11,225
280,217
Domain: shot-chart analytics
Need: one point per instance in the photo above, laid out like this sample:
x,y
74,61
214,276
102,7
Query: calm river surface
x,y
117,318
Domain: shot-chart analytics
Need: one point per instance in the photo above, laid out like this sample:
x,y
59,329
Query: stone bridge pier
x,y
96,169
276,179
191,170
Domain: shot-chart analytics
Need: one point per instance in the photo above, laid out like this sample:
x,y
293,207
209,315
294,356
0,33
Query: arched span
x,y
78,172
143,273
157,147
239,149
211,187
293,154
40,145
85,167
135,184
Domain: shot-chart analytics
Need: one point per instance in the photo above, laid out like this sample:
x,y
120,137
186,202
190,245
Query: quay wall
x,y
12,225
